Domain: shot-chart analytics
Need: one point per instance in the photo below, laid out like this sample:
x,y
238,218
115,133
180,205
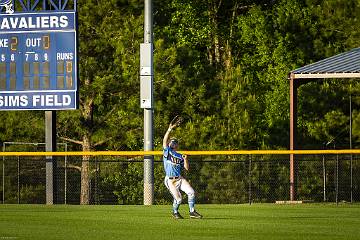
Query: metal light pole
x,y
146,100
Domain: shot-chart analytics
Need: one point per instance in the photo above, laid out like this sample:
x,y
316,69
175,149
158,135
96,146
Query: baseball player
x,y
173,164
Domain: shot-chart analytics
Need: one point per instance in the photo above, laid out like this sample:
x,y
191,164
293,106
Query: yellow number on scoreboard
x,y
14,43
69,67
46,42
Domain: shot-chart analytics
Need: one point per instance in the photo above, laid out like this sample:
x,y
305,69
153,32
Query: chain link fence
x,y
217,179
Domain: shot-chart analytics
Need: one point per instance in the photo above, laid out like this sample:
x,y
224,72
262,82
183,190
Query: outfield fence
x,y
217,177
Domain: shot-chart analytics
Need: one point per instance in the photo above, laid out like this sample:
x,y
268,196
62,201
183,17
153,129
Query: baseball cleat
x,y
195,214
177,215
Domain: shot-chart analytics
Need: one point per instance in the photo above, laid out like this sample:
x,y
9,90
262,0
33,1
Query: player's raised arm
x,y
173,124
166,137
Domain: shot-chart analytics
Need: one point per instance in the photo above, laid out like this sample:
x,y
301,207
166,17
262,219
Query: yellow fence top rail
x,y
193,153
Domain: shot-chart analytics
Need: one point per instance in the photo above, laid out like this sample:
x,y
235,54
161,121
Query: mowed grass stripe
x,y
258,221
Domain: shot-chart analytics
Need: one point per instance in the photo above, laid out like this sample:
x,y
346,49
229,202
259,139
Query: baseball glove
x,y
177,120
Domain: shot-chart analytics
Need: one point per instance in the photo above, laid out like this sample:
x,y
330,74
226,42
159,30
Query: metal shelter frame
x,y
344,65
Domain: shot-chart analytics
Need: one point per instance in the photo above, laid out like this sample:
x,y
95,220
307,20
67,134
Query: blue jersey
x,y
173,162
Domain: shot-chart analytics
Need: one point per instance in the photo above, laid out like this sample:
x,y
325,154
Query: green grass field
x,y
258,221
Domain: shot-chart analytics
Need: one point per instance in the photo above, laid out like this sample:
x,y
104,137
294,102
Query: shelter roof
x,y
343,65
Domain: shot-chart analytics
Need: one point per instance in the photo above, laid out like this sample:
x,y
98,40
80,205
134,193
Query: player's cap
x,y
173,142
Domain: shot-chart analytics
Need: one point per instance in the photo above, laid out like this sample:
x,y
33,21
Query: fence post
x,y
324,177
18,180
250,182
337,179
96,181
65,178
99,176
351,178
65,175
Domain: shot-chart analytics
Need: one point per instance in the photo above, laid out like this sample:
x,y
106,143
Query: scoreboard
x,y
38,61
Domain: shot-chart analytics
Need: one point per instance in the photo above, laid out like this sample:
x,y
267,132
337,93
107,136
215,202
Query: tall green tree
x,y
109,34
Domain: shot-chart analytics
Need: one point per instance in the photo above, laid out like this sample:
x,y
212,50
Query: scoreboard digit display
x,y
38,61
